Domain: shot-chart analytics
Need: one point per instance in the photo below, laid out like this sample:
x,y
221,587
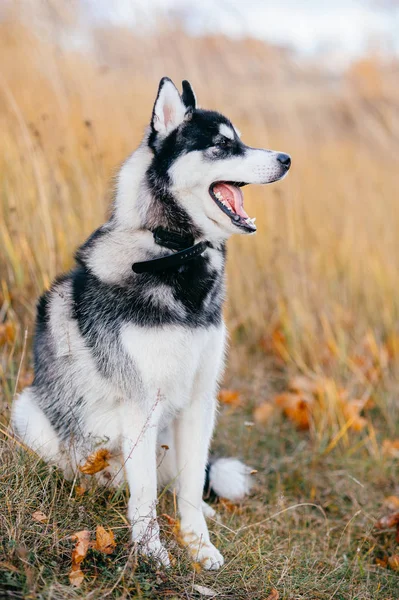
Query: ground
x,y
307,530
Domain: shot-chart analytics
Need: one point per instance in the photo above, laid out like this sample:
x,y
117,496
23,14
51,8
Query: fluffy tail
x,y
227,478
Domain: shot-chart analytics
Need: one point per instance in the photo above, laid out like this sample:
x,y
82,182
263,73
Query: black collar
x,y
184,244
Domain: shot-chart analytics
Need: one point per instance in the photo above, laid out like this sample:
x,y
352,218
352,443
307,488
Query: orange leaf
x,y
82,545
230,506
392,502
76,577
39,516
296,407
274,595
105,540
82,538
388,521
80,490
263,412
96,462
351,411
391,448
382,562
231,397
393,562
170,520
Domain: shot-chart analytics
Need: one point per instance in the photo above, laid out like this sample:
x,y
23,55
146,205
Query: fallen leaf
x,y
231,397
297,407
274,595
170,520
105,540
390,448
382,562
82,546
80,490
263,412
388,521
393,562
392,502
351,411
39,516
205,591
76,577
96,462
230,506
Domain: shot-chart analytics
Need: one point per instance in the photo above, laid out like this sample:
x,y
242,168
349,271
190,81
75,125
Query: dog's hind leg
x,y
34,429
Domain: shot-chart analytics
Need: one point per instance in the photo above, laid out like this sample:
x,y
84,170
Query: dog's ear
x,y
169,109
188,95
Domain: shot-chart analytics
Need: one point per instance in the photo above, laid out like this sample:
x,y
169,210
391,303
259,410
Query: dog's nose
x,y
284,159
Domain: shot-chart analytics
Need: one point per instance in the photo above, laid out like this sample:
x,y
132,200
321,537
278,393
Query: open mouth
x,y
230,199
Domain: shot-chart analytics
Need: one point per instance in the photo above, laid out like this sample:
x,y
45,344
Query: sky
x,y
338,29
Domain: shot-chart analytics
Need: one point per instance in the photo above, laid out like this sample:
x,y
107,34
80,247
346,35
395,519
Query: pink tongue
x,y
233,195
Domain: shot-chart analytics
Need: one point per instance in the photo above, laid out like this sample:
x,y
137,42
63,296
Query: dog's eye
x,y
223,142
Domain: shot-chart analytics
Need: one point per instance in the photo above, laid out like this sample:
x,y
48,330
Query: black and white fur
x,y
131,362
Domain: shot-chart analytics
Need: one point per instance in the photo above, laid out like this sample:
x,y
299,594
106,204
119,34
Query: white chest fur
x,y
168,360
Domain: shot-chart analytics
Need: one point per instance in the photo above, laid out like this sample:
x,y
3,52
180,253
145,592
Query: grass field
x,y
311,396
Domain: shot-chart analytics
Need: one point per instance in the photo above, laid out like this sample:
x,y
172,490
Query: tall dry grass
x,y
316,288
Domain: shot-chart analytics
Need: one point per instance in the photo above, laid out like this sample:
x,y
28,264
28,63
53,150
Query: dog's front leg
x,y
193,433
139,448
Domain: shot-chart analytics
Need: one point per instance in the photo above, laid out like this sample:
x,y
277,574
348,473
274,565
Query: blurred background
x,y
315,292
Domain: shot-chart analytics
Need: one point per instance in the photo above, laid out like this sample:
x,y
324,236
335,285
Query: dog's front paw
x,y
156,551
202,551
145,534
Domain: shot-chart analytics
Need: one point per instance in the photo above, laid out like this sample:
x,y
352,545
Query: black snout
x,y
284,159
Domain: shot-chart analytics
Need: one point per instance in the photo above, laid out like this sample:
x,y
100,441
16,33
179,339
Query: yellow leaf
x,y
96,462
274,595
263,412
231,397
39,516
105,540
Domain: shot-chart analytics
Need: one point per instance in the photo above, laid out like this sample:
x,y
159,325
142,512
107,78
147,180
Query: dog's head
x,y
201,161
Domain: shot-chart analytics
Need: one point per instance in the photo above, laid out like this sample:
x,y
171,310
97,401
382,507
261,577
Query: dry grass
x,y
315,292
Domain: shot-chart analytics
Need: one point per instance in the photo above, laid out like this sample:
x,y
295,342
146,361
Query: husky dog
x,y
130,345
